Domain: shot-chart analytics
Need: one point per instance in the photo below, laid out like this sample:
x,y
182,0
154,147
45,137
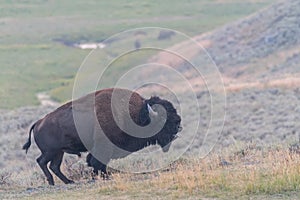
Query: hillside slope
x,y
265,45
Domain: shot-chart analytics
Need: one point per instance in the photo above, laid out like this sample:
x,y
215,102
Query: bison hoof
x,y
51,182
91,181
70,182
105,177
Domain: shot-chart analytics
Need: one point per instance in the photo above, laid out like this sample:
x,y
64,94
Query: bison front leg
x,y
98,166
55,167
101,152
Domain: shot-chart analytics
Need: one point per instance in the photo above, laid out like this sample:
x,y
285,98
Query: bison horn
x,y
151,111
175,137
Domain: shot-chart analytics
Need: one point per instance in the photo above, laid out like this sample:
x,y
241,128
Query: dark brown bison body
x,y
57,133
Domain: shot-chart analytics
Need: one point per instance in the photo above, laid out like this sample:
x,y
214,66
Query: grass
x,y
33,61
261,173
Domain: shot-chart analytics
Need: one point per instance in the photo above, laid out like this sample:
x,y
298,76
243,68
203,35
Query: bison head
x,y
154,110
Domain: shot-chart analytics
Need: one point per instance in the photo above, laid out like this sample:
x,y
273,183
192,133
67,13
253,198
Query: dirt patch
x,y
45,100
291,82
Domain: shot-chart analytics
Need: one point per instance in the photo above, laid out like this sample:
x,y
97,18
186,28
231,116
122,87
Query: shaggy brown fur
x,y
56,133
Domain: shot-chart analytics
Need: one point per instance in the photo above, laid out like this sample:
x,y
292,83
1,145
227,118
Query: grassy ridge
x,y
32,69
32,60
259,173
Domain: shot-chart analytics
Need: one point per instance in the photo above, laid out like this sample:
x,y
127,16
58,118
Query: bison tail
x,y
28,143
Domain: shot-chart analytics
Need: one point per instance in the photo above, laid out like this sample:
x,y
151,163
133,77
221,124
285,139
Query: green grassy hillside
x,y
33,58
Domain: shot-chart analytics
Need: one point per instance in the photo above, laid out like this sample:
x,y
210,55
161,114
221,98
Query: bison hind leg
x,y
43,161
55,167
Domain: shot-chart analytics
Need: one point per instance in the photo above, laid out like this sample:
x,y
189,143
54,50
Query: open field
x,y
33,58
251,153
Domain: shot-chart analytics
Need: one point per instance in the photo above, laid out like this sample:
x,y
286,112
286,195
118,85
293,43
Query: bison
x,y
62,131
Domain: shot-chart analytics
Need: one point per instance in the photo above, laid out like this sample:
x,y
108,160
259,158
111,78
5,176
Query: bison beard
x,y
56,133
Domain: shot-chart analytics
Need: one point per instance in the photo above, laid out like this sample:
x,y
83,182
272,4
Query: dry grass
x,y
290,82
245,172
248,171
